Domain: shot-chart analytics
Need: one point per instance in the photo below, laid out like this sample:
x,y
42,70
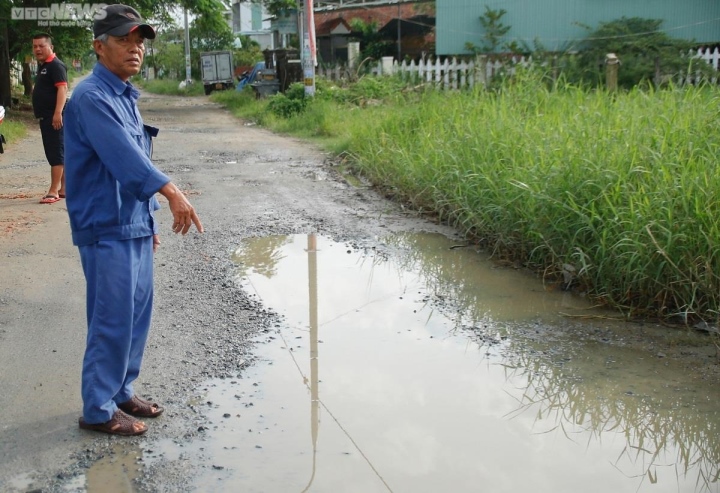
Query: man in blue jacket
x,y
111,184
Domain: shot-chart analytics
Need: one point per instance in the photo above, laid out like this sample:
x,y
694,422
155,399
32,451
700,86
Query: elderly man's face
x,y
122,55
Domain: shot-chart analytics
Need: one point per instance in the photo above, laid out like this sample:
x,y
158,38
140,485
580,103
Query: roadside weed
x,y
613,194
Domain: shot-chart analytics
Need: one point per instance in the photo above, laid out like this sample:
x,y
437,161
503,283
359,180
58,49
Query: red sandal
x,y
141,408
120,424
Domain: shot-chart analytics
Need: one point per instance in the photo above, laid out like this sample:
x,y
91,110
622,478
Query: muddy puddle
x,y
114,473
419,366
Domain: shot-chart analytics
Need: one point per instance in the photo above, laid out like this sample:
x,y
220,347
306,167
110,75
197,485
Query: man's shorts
x,y
53,142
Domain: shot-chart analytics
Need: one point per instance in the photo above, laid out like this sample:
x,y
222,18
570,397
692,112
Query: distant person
x,y
2,137
48,100
111,201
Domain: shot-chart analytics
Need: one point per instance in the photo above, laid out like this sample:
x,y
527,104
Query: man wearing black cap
x,y
111,184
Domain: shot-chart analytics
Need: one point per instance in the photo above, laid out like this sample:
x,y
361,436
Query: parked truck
x,y
217,71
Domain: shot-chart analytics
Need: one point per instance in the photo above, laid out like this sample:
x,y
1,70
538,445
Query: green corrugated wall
x,y
555,22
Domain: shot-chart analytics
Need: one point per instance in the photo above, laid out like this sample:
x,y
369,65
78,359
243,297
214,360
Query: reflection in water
x,y
479,292
597,402
114,473
265,255
314,379
407,390
554,394
677,430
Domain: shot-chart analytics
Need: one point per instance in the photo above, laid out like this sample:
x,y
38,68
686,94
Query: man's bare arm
x,y
59,105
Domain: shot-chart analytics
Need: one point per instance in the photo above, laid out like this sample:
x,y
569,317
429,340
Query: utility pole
x,y
188,75
309,49
399,34
5,66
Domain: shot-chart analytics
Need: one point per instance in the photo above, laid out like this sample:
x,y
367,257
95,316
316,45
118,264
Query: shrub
x,y
639,44
293,102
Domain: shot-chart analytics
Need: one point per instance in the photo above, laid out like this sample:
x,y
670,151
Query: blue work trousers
x,y
119,276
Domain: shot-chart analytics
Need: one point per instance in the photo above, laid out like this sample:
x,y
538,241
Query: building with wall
x,y
558,24
251,19
404,23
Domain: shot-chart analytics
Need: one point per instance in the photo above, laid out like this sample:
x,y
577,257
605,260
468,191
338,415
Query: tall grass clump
x,y
617,192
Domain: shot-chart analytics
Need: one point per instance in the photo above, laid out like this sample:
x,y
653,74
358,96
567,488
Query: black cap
x,y
118,20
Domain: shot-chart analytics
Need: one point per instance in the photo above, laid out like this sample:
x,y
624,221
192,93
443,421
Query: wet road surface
x,y
423,368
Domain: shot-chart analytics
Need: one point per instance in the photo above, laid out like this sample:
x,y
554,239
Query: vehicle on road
x,y
216,69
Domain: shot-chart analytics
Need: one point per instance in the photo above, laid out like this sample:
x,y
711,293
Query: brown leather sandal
x,y
141,408
120,424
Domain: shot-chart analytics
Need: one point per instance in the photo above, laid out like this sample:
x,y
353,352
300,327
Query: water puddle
x,y
114,473
419,367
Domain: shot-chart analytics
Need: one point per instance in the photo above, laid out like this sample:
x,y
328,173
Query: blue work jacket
x,y
110,180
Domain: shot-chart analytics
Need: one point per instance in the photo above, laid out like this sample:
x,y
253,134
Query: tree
x,y
168,53
372,44
210,32
249,54
493,32
275,7
70,41
640,45
74,41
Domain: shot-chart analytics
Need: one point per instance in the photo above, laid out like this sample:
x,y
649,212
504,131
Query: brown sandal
x,y
141,408
120,424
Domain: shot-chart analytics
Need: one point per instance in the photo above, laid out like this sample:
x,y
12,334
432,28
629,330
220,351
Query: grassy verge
x,y
73,75
14,126
612,194
615,195
169,87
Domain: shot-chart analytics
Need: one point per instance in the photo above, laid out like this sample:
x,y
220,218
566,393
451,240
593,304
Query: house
x,y
251,19
332,38
406,20
557,25
416,34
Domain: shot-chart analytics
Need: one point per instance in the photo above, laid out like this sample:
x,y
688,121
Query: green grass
x,y
618,191
170,87
14,127
242,104
73,74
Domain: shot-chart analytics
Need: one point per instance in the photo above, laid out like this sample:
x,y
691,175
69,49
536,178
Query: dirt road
x,y
245,182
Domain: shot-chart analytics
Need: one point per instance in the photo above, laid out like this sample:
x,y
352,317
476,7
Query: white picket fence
x,y
710,56
447,73
454,73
